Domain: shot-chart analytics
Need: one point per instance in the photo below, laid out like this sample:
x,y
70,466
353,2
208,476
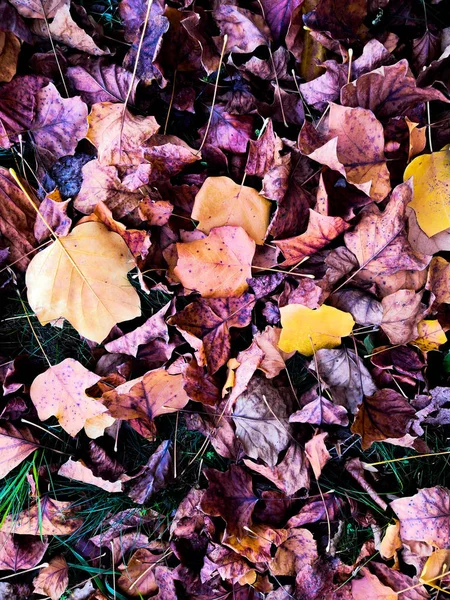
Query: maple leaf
x,y
431,198
216,266
350,141
425,516
83,278
260,416
46,517
119,135
220,202
18,552
15,445
230,495
60,392
307,330
386,414
53,580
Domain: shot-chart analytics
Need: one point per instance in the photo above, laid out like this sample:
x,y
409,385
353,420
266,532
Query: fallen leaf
x,y
391,541
320,412
290,475
388,91
402,312
210,320
220,201
60,392
33,9
97,261
317,453
53,580
102,184
230,495
155,476
431,335
216,266
9,55
425,516
139,576
18,553
143,53
307,330
119,135
47,517
54,211
369,586
321,231
260,416
245,30
350,141
431,196
228,132
15,445
435,572
439,279
78,471
295,553
386,414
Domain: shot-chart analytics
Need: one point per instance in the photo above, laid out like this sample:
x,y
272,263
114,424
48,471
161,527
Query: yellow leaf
x,y
391,541
436,568
83,278
220,201
307,330
431,203
431,335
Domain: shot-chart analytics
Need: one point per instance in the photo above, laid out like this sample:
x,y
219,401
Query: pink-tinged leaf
x,y
53,579
228,132
19,552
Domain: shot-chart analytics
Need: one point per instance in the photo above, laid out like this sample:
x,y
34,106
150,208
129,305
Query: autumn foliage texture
x,y
242,209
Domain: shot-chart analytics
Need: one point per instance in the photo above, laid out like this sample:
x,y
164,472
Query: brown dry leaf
x,y
261,419
9,53
425,517
220,201
298,551
379,239
15,445
317,453
17,219
60,392
83,278
101,183
78,471
53,580
321,231
350,141
257,542
19,552
402,311
439,279
216,266
63,29
46,517
138,577
386,414
290,475
37,9
119,135
156,393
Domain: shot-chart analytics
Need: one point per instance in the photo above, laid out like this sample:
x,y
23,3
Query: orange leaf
x,y
53,580
216,266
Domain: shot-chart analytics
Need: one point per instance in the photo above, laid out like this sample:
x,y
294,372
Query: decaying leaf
x,y
15,445
53,580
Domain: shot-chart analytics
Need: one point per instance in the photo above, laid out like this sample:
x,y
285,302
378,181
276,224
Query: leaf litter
x,y
224,259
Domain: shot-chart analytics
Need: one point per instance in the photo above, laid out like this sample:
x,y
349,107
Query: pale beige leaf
x,y
78,471
83,278
52,580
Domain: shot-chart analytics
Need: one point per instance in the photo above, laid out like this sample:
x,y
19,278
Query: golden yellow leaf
x,y
431,178
220,201
391,541
83,278
436,570
307,330
431,335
